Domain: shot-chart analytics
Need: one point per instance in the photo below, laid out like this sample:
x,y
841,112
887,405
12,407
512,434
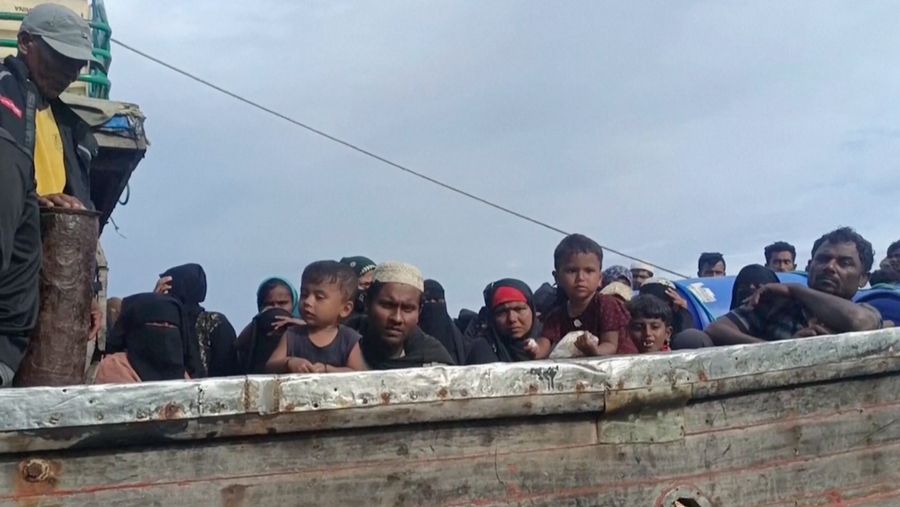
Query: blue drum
x,y
710,298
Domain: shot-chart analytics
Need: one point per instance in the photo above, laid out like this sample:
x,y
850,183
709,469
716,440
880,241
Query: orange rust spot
x,y
513,469
171,411
513,490
528,405
289,407
442,392
36,477
246,398
702,376
385,398
834,496
579,387
532,389
233,496
620,384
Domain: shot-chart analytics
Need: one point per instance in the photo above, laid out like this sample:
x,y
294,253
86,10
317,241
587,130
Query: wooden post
x,y
56,352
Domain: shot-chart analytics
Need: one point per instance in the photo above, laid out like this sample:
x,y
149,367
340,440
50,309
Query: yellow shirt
x,y
49,162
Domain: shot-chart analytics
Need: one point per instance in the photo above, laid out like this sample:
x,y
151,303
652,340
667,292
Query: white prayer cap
x,y
400,272
643,267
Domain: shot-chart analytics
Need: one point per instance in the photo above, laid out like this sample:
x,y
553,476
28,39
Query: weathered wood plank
x,y
541,461
809,422
801,482
40,418
778,404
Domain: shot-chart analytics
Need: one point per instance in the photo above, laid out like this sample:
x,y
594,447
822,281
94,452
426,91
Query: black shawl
x,y
748,280
419,350
155,352
434,320
189,288
254,353
507,348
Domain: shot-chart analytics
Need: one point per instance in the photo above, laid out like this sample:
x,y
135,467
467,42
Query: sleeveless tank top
x,y
335,353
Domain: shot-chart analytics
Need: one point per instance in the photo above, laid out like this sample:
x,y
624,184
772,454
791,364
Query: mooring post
x,y
58,345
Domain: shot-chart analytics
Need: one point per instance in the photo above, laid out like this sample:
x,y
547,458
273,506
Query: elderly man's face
x,y
50,71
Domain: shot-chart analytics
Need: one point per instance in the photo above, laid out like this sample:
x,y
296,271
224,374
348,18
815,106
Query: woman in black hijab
x,y
150,336
748,280
256,347
212,337
435,321
507,344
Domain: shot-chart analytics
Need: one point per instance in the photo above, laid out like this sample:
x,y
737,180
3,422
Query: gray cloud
x,y
663,129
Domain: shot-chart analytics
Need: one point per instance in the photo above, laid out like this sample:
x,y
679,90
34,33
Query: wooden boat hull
x,y
805,422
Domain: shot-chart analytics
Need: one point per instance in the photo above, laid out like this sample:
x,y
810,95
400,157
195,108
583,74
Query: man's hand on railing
x,y
60,201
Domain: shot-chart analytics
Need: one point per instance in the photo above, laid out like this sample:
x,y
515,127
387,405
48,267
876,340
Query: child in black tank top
x,y
322,345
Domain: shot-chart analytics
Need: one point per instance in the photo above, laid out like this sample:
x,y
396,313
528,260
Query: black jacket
x,y
19,99
20,250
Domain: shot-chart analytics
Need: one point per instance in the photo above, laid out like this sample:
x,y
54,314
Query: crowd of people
x,y
353,314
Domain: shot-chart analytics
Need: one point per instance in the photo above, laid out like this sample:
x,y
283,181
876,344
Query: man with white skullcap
x,y
391,337
640,273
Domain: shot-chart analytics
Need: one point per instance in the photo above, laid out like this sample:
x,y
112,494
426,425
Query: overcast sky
x,y
659,128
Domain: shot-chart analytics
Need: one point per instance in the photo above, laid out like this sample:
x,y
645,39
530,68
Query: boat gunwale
x,y
44,418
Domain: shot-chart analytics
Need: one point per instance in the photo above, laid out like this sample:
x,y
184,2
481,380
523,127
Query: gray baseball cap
x,y
62,29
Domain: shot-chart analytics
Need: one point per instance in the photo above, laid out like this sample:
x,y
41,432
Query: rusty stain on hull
x,y
789,423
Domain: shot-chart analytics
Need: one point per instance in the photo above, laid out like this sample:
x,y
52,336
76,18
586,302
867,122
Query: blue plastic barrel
x,y
886,298
710,298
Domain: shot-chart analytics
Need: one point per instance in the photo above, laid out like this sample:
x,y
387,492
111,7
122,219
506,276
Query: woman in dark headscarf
x,y
256,346
152,339
211,336
435,321
276,292
463,320
748,280
509,321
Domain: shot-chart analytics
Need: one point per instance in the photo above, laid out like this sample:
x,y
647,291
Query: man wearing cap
x,y
54,44
640,273
391,337
364,268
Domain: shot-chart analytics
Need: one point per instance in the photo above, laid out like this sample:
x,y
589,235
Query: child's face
x,y
650,335
579,276
322,304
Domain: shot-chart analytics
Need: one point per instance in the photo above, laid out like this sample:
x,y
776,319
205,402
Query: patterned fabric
x,y
604,314
616,273
779,323
217,340
207,322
